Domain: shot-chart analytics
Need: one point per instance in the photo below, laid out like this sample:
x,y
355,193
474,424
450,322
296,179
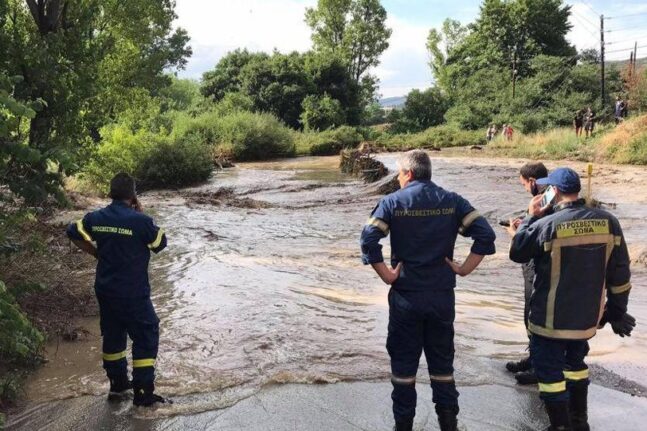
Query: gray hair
x,y
417,162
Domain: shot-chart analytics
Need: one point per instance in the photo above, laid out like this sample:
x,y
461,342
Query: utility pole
x,y
514,70
602,92
635,54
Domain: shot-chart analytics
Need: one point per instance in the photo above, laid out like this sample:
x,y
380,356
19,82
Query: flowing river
x,y
262,284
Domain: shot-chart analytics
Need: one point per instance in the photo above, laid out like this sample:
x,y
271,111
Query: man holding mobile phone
x,y
528,176
580,257
124,238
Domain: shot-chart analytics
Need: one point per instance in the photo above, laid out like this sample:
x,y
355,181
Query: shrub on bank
x,y
156,160
242,135
329,142
176,163
626,143
434,137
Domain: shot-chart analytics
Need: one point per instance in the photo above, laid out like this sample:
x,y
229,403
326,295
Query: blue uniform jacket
x,y
124,239
579,253
424,220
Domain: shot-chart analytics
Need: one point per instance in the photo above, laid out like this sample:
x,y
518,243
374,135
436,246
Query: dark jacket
x,y
423,221
124,239
578,253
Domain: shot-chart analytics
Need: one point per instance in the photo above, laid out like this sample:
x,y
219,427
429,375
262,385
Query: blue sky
x,y
219,26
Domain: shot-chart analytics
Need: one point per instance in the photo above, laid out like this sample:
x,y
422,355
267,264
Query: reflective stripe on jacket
x,y
423,221
124,239
580,256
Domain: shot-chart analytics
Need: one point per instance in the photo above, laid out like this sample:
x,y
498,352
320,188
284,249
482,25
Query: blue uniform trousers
x,y
134,317
558,364
421,320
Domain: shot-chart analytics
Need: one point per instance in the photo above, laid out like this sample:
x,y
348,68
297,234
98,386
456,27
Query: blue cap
x,y
565,179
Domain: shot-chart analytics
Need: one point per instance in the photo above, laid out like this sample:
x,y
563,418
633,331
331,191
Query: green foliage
x,y
280,83
329,142
20,341
422,109
88,62
321,113
434,137
373,114
155,159
355,30
242,135
177,163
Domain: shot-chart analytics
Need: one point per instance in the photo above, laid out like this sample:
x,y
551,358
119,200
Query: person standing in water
x,y
423,221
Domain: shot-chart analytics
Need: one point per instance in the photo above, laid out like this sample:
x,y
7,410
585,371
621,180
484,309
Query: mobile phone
x,y
548,197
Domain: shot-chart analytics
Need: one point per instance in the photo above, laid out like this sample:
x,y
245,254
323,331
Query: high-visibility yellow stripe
x,y
378,223
552,387
139,363
468,220
158,239
403,380
448,378
576,375
620,289
617,240
82,231
114,356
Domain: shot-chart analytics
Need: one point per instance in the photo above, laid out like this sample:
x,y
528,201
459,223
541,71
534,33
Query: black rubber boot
x,y
447,417
144,396
526,377
578,406
119,388
520,366
560,418
403,426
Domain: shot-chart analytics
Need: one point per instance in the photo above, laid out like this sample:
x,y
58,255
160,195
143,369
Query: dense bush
x,y
242,135
175,164
155,159
321,113
436,137
329,142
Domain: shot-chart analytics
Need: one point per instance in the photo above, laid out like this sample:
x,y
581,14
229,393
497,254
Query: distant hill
x,y
393,102
639,62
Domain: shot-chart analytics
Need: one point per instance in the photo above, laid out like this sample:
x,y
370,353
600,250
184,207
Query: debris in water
x,y
362,165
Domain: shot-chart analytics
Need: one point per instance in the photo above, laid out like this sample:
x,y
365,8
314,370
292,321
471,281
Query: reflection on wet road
x,y
251,294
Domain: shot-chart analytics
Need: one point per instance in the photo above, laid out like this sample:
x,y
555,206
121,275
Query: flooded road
x,y
262,284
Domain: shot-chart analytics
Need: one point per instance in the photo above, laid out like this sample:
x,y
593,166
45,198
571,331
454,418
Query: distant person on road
x,y
589,122
124,238
619,111
491,133
528,176
581,259
423,221
578,122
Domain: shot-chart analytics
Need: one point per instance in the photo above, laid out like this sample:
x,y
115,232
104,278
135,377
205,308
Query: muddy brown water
x,y
253,295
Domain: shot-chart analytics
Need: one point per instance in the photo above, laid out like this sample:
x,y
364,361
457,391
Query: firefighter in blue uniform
x,y
124,238
579,253
423,221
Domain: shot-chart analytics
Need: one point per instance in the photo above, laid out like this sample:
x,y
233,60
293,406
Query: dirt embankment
x,y
51,279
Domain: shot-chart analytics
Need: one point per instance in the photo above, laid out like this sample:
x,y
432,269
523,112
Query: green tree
x,y
87,61
321,113
226,76
422,109
355,30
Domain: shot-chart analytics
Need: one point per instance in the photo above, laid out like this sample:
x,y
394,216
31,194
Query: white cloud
x,y
218,26
620,35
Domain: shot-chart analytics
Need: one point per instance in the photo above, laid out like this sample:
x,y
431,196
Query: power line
x,y
626,49
591,32
585,19
626,16
616,30
628,40
591,8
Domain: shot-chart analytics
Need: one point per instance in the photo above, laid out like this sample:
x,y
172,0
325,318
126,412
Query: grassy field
x,y
625,144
